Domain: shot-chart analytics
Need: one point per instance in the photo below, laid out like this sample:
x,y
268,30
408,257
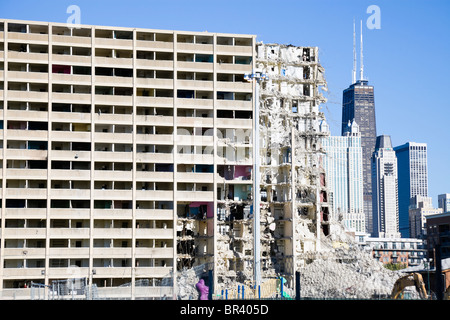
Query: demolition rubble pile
x,y
345,271
346,274
186,281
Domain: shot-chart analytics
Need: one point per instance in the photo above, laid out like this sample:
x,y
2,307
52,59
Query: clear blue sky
x,y
407,60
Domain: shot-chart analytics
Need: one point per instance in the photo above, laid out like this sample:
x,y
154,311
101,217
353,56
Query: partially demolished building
x,y
294,211
294,207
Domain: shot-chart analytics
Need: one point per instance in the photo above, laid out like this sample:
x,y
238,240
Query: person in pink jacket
x,y
202,289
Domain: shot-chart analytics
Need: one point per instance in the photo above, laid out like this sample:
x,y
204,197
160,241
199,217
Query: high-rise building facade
x,y
444,201
412,179
343,167
359,105
112,168
385,189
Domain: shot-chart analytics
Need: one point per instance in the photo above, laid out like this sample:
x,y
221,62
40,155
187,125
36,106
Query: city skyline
x,y
391,53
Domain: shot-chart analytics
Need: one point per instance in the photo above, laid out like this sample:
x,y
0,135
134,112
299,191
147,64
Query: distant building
x,y
420,207
444,202
412,179
385,188
438,233
358,104
406,251
343,166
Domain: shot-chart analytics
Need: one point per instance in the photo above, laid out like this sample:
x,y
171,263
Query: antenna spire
x,y
361,71
354,54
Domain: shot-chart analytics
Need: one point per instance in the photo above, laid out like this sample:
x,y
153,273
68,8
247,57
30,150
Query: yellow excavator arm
x,y
413,279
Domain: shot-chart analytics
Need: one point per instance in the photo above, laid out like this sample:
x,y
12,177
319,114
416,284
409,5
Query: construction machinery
x,y
413,279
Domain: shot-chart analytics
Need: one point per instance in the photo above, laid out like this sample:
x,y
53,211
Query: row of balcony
x,y
86,233
118,194
41,77
107,137
43,58
97,214
117,100
126,43
105,156
116,175
149,195
37,142
74,253
126,119
100,272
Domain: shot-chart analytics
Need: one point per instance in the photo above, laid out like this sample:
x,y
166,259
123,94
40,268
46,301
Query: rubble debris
x,y
346,273
186,284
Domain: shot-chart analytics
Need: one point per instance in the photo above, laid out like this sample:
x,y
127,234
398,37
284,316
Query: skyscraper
x,y
412,179
358,104
343,167
384,187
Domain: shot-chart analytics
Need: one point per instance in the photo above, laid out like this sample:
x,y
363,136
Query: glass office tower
x,y
359,105
412,178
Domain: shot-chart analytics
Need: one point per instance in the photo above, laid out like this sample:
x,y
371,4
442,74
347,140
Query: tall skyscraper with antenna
x,y
358,104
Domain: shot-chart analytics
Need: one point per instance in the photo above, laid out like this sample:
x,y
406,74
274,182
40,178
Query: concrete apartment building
x,y
406,251
112,166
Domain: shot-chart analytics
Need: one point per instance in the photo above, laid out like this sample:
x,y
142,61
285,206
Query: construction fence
x,y
78,289
273,289
187,288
